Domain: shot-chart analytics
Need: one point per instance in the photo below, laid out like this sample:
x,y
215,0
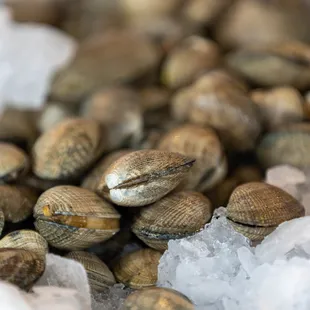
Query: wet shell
x,y
138,269
202,144
93,178
157,298
25,239
67,150
99,275
17,202
258,208
74,218
143,177
20,267
13,162
289,145
175,216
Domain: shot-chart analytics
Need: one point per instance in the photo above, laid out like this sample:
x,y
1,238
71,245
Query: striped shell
x,y
13,162
142,177
74,218
255,209
202,144
99,275
67,150
175,216
20,267
138,269
157,298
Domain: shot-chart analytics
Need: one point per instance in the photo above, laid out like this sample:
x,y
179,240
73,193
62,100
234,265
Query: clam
x,y
202,144
20,267
142,177
288,145
25,239
157,298
74,218
175,216
99,275
255,209
13,162
92,179
138,269
67,150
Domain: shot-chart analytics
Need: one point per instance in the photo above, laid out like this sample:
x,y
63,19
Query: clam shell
x,y
20,267
175,216
13,162
99,275
25,239
74,218
202,144
142,177
138,269
157,298
67,150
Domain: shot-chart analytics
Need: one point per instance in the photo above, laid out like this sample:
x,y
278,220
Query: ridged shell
x,y
286,146
258,204
99,275
67,150
157,298
202,144
142,177
25,239
175,216
13,162
138,269
17,202
74,218
20,267
92,179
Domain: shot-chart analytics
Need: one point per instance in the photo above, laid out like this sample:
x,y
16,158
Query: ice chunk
x,y
29,56
67,273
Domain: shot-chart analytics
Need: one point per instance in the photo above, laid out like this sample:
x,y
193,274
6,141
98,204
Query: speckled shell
x,y
67,150
288,145
202,144
142,177
138,269
189,59
260,205
25,239
157,298
13,162
274,65
175,216
99,275
20,267
17,202
74,218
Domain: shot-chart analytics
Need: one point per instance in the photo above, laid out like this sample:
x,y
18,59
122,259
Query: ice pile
x,y
29,55
218,269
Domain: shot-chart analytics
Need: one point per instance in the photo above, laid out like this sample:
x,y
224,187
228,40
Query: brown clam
x,y
175,216
25,239
20,267
202,144
157,298
142,177
138,269
67,150
288,145
74,218
99,275
13,162
255,209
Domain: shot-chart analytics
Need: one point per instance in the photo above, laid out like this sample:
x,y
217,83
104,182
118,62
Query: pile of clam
x,y
169,109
